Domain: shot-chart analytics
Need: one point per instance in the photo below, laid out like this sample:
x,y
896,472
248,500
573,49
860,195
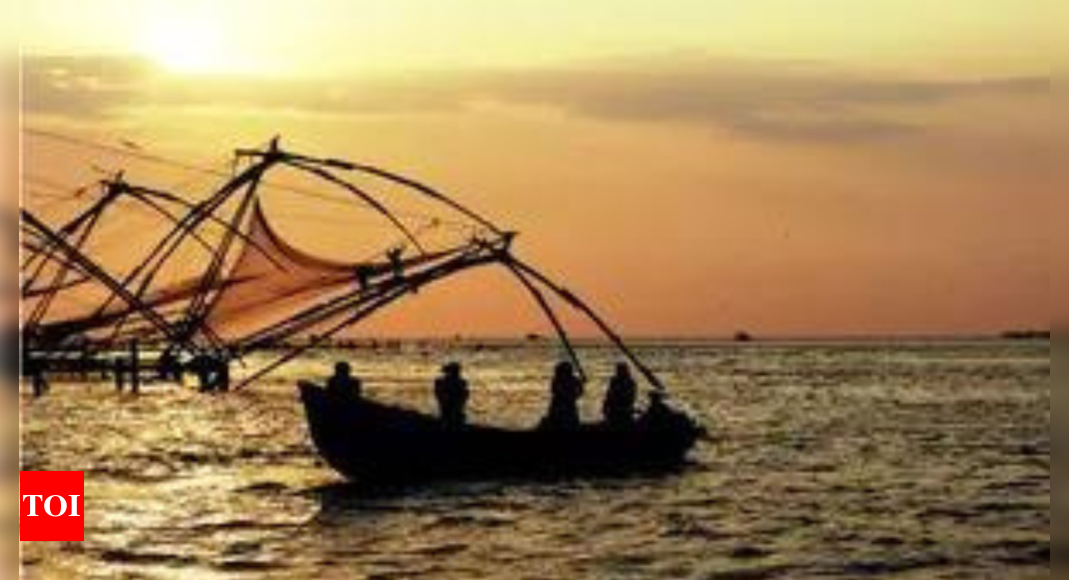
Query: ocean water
x,y
862,460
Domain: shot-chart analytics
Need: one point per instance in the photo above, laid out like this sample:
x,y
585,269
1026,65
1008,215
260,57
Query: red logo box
x,y
52,506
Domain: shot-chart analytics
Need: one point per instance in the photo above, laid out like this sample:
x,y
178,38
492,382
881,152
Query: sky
x,y
788,167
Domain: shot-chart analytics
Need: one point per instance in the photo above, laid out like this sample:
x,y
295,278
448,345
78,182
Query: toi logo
x,y
52,507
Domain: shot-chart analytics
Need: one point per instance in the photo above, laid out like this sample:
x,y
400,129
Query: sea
x,y
838,459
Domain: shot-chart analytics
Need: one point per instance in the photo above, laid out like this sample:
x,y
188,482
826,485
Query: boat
x,y
218,280
368,441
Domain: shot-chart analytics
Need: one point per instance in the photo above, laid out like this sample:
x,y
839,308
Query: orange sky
x,y
785,167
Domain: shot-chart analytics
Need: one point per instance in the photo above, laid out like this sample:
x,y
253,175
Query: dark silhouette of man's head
x,y
342,368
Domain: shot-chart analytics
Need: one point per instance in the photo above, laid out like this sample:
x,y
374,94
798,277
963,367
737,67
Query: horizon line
x,y
727,337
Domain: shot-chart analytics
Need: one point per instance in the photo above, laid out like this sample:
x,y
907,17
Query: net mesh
x,y
273,281
144,244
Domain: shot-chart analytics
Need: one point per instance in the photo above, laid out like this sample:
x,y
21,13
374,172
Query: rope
x,y
153,158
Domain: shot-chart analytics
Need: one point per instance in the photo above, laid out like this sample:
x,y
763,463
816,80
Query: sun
x,y
186,43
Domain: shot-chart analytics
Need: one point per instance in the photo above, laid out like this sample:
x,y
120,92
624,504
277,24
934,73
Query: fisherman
x,y
451,390
40,384
342,385
213,372
35,369
657,411
201,365
222,374
565,391
397,265
119,370
85,360
364,273
618,408
660,415
168,367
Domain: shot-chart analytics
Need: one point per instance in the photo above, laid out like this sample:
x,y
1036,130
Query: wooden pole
x,y
135,367
92,269
120,373
363,195
578,304
367,305
540,299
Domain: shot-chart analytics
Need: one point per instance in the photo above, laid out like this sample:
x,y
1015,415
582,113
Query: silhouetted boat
x,y
369,441
1025,335
254,290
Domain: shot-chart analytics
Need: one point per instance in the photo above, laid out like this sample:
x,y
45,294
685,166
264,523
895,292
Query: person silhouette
x,y
451,391
342,385
168,367
118,366
618,408
35,369
212,371
659,414
565,391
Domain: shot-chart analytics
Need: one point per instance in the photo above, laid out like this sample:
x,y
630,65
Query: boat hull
x,y
368,441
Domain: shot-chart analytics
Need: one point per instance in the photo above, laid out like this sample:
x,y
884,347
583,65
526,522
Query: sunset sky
x,y
790,167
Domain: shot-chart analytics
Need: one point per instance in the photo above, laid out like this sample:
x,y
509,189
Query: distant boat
x,y
742,336
369,441
1026,335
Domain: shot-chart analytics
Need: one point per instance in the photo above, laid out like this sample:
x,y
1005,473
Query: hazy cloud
x,y
765,99
775,100
82,86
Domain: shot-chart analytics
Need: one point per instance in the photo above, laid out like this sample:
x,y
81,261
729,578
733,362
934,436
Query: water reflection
x,y
829,460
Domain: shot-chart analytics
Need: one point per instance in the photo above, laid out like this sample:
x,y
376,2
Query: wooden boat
x,y
256,291
369,441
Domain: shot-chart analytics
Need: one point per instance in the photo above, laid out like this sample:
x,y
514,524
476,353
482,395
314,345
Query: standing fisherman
x,y
135,368
119,369
34,367
565,391
451,390
168,367
619,405
212,370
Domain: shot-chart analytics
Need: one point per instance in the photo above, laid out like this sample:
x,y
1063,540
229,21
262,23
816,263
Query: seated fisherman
x,y
565,391
451,391
658,410
342,385
660,415
618,408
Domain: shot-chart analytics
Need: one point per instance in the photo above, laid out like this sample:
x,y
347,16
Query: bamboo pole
x,y
92,269
371,304
135,367
363,195
578,304
540,299
322,312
